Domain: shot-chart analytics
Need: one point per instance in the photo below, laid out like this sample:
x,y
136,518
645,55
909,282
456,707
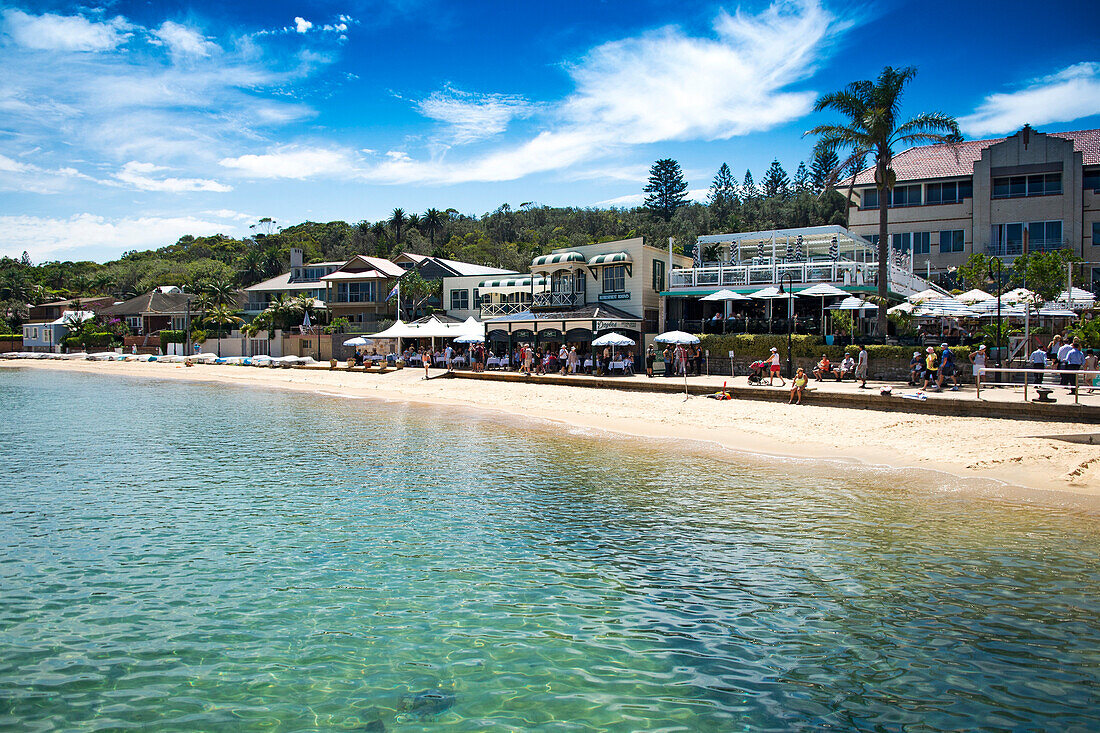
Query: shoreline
x,y
1010,453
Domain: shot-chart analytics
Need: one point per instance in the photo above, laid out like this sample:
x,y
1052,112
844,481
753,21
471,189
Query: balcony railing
x,y
496,310
558,300
1014,249
840,273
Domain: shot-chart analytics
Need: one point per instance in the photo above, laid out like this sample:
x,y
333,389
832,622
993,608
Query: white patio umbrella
x,y
973,296
770,293
823,291
470,338
905,307
946,307
1076,298
852,303
358,341
925,295
724,295
614,340
681,338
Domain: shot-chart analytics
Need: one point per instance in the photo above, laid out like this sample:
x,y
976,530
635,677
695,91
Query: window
x,y
922,243
873,239
951,240
948,193
1012,187
1044,235
579,282
460,300
614,279
1096,234
870,198
901,242
356,292
906,196
658,275
35,336
1092,180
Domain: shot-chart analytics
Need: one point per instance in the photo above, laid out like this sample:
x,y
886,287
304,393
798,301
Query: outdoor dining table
x,y
496,361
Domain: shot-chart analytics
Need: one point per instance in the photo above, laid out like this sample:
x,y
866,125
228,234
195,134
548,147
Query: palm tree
x,y
221,315
250,266
433,222
397,221
872,128
272,261
221,292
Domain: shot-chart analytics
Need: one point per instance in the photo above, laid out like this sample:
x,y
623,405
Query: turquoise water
x,y
198,557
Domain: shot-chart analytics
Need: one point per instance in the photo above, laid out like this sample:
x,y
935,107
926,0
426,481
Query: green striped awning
x,y
614,258
561,258
511,282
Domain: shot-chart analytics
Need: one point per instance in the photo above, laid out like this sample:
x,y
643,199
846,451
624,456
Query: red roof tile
x,y
946,160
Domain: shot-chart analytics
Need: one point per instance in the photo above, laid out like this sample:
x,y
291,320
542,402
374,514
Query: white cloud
x,y
659,87
293,162
227,214
637,199
1070,94
471,117
50,238
302,25
50,32
27,177
138,175
183,40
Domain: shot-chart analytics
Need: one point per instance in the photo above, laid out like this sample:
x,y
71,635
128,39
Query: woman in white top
x,y
978,360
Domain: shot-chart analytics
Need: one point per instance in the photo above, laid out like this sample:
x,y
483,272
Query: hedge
x,y
11,336
804,346
172,337
102,340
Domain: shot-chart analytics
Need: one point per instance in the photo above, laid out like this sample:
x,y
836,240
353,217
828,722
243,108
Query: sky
x,y
127,125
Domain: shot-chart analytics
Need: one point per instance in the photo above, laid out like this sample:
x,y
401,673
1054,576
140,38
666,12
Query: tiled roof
x,y
153,303
953,160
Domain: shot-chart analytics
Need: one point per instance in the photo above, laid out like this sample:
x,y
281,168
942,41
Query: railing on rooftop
x,y
1014,249
496,310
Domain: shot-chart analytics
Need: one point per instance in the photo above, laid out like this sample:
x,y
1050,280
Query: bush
x,y
804,346
172,337
102,339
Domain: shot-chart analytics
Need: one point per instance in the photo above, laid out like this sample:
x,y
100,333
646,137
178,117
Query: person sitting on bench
x,y
824,369
847,367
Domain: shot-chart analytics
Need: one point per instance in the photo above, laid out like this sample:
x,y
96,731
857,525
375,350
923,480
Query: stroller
x,y
758,371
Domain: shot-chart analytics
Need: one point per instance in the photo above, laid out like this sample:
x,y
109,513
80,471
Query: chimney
x,y
295,257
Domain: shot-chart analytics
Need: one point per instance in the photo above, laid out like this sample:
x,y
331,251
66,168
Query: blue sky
x,y
126,125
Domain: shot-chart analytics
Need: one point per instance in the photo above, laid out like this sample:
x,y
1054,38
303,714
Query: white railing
x,y
557,300
841,272
496,310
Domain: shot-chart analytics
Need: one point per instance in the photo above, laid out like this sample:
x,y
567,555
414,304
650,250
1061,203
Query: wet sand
x,y
1009,451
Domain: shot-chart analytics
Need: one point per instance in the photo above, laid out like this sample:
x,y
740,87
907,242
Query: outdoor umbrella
x,y
723,295
613,340
1076,298
823,291
973,296
680,338
358,341
469,338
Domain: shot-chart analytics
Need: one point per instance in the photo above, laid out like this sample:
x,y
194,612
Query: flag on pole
x,y
395,291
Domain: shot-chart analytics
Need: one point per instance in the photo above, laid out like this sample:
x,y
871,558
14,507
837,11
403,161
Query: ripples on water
x,y
181,556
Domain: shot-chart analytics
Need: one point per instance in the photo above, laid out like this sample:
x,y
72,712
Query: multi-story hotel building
x,y
1003,197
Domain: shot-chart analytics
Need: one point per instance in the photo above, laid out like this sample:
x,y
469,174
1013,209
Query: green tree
x,y
776,182
723,194
665,189
397,224
801,178
415,291
433,223
974,272
1044,273
822,166
749,191
873,128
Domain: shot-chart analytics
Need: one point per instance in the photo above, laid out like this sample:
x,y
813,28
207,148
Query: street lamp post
x,y
1000,288
790,317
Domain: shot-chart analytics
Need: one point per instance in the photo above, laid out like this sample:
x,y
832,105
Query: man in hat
x,y
947,368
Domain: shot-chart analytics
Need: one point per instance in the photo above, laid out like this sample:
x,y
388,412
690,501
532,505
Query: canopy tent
x,y
973,296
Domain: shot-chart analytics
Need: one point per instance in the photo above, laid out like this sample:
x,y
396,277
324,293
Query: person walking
x,y
426,357
649,357
773,368
947,368
666,357
862,365
931,370
1038,360
977,358
1072,362
572,358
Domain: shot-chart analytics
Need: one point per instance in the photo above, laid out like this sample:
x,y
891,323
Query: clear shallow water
x,y
195,557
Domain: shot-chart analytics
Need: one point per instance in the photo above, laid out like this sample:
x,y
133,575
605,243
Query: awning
x,y
561,258
614,258
508,285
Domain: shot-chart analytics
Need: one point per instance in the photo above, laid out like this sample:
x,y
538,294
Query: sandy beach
x,y
1010,451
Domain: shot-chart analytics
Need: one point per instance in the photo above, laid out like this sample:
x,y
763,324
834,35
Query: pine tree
x,y
822,166
666,189
801,178
749,191
776,182
723,194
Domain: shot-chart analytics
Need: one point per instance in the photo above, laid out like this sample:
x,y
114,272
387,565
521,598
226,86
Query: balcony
x,y
839,273
496,310
557,300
